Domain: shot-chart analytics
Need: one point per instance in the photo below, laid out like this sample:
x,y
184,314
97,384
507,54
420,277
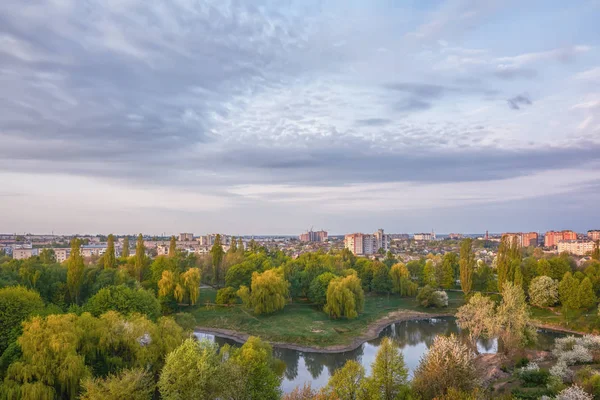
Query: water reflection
x,y
413,338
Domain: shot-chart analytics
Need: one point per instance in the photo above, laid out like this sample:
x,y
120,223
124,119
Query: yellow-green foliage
x,y
269,291
130,384
345,297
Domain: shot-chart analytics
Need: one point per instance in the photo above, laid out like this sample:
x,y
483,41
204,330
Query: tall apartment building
x,y
209,240
186,237
576,247
366,244
524,239
62,254
552,238
594,234
313,236
422,237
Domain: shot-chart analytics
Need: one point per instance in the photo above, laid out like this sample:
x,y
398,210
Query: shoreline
x,y
372,332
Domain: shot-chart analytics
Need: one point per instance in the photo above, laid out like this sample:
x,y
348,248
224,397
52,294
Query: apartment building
x,y
313,236
367,244
186,237
593,234
62,254
551,238
576,247
423,237
524,239
24,253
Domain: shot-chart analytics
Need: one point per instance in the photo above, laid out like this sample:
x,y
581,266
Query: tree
x,y
269,291
513,321
172,247
226,296
467,265
381,282
240,245
239,275
317,293
447,365
17,303
110,260
170,285
124,300
429,297
134,384
568,291
587,297
543,291
192,371
216,253
401,282
429,274
477,316
345,297
596,251
191,283
75,270
345,383
388,380
125,251
140,257
448,280
543,267
47,256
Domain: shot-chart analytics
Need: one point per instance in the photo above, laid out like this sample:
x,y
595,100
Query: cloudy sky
x,y
260,116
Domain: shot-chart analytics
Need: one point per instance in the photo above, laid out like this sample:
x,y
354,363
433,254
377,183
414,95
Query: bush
x,y
429,297
125,301
186,321
574,393
530,394
522,362
533,378
226,296
575,350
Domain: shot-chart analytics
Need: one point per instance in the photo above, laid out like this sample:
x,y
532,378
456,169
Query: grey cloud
x,y
518,101
412,104
373,122
514,72
424,90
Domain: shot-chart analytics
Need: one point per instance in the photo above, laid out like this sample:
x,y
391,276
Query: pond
x,y
413,338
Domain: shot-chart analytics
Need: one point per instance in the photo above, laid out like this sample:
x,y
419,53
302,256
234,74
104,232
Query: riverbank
x,y
371,333
305,326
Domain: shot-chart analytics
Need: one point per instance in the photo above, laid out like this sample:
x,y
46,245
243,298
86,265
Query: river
x,y
413,337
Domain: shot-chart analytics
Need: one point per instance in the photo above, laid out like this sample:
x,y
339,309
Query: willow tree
x,y
75,269
345,297
216,253
110,260
172,247
140,257
191,283
467,265
269,291
125,251
170,285
401,282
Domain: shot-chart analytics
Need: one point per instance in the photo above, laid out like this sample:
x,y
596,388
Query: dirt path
x,y
372,332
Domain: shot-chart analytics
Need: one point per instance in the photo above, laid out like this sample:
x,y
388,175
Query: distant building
x,y
186,237
552,238
209,240
313,236
576,247
399,236
423,237
524,239
162,250
93,250
23,253
594,234
455,236
366,244
62,254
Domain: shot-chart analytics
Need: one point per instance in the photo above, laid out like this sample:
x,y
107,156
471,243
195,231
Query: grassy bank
x,y
302,324
581,321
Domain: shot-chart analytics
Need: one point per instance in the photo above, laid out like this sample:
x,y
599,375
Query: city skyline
x,y
267,118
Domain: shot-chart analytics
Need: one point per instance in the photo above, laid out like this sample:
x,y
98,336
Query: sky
x,y
272,117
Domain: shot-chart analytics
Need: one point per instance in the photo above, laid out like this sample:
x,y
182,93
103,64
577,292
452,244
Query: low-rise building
x,y
576,247
61,254
423,237
24,253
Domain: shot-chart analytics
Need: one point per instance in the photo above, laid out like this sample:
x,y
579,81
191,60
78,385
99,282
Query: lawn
x,y
304,324
581,321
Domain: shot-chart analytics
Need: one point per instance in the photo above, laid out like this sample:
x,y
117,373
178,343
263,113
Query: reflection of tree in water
x,y
333,361
313,364
290,358
411,333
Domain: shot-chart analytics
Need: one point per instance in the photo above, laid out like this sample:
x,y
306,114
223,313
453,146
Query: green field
x,y
580,321
303,324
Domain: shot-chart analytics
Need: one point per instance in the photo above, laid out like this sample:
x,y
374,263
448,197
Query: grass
x,y
581,321
303,324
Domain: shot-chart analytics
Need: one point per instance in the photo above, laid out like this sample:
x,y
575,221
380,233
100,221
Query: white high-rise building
x,y
367,244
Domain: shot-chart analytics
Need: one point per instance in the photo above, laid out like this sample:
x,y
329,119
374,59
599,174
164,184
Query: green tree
x,y
447,365
172,247
400,279
596,251
317,292
226,296
110,260
389,376
543,267
47,256
448,274
75,270
191,282
17,303
346,382
477,317
192,371
381,282
124,300
130,384
240,245
170,285
429,274
543,291
233,246
240,275
125,250
269,291
140,257
345,297
467,265
513,323
450,259
217,254
518,279
568,291
587,297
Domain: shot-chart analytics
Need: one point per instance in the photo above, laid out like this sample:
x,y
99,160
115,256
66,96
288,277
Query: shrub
x,y
575,350
561,371
574,393
543,291
523,361
226,296
429,297
534,377
125,301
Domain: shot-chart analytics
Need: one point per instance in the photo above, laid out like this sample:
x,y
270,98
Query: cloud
x,y
518,101
591,75
373,122
513,72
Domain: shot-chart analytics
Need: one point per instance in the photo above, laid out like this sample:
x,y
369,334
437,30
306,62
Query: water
x,y
413,338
